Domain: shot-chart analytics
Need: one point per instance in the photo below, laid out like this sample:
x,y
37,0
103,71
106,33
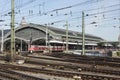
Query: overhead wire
x,y
63,9
78,4
20,6
71,6
87,16
87,10
66,7
80,17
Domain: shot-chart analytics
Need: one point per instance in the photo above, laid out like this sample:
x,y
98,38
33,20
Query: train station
x,y
59,40
27,35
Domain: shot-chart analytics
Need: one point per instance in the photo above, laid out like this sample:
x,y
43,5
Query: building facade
x,y
34,34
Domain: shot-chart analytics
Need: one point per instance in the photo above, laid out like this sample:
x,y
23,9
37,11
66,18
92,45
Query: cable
x,y
86,16
80,17
86,10
34,15
22,5
75,5
90,10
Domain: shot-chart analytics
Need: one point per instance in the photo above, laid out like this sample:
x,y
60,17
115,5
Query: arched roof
x,y
29,30
39,31
16,38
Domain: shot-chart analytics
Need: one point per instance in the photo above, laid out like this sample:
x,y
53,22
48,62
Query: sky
x,y
102,17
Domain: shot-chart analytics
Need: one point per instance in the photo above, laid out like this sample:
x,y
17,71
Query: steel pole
x,y
66,36
21,46
83,35
12,32
2,40
119,35
46,36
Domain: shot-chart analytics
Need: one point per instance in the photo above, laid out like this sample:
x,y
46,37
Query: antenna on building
x,y
23,21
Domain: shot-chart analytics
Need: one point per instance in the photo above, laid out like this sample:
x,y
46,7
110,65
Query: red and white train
x,y
38,48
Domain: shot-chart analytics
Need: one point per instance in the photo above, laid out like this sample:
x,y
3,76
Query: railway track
x,y
85,60
69,74
88,72
98,58
6,74
104,61
72,66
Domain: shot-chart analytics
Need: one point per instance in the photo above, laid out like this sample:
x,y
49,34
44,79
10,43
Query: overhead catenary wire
x,y
34,14
89,15
85,11
78,4
31,1
60,8
78,17
20,6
